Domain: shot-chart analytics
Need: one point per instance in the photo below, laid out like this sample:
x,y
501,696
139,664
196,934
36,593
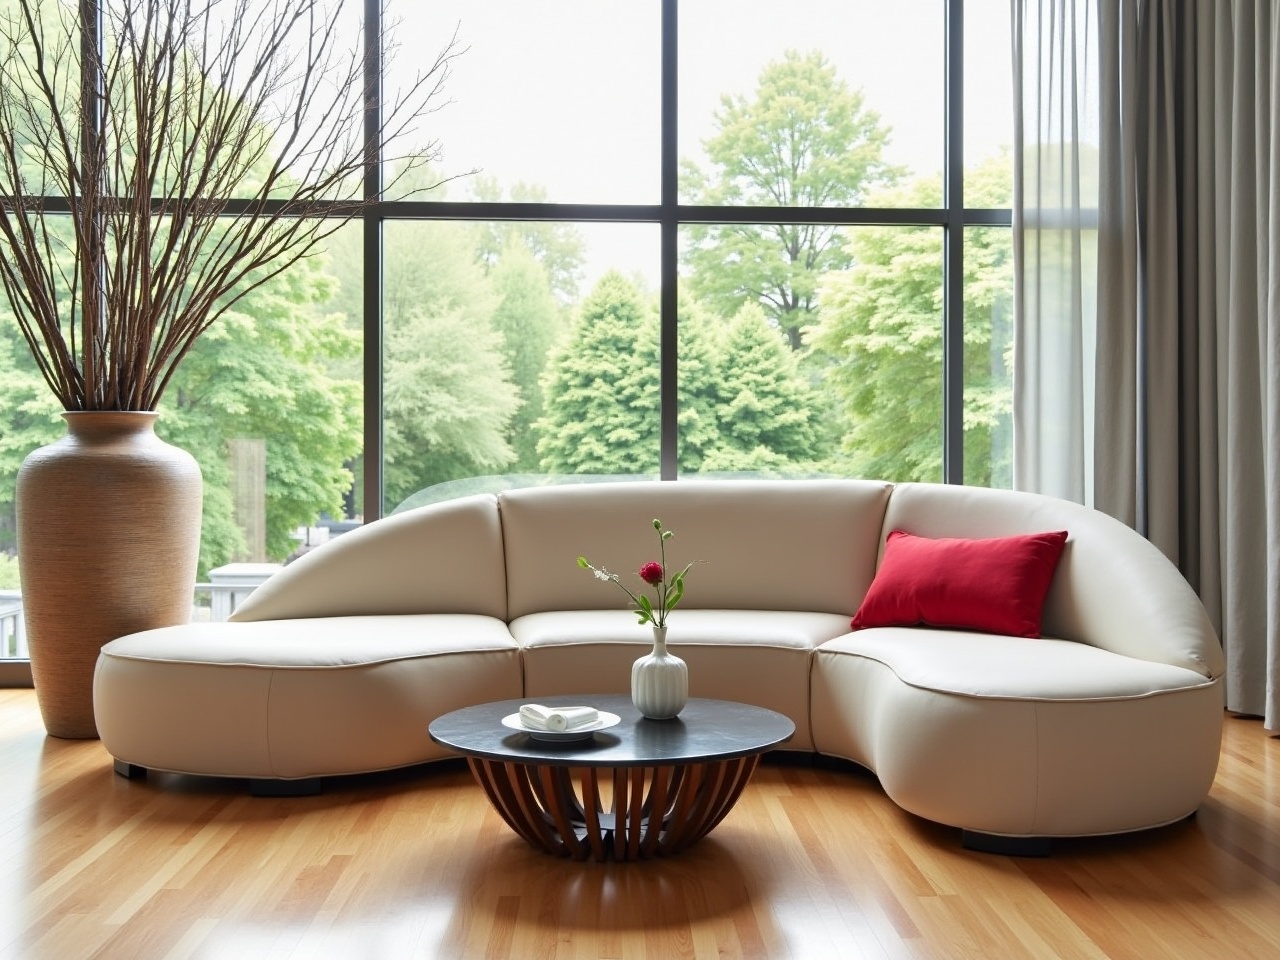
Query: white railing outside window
x,y
13,630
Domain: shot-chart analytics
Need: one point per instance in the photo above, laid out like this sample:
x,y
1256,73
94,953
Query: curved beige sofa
x,y
338,663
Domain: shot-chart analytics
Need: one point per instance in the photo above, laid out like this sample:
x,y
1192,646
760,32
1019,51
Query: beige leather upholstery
x,y
293,699
1113,588
445,558
761,545
757,656
1020,737
338,664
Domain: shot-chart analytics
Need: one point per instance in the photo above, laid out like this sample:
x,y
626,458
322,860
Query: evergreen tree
x,y
766,410
601,387
698,372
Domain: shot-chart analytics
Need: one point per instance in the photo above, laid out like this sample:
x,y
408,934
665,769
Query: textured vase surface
x,y
108,541
659,681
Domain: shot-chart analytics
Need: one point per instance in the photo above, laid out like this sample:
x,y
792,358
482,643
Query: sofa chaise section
x,y
336,665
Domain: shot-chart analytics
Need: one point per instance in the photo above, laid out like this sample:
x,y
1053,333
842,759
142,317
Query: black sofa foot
x,y
307,787
130,771
1007,846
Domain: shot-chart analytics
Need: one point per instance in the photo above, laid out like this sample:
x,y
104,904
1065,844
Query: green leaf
x,y
582,562
676,591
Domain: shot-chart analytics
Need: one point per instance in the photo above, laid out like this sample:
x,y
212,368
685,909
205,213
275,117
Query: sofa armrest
x,y
1113,589
441,558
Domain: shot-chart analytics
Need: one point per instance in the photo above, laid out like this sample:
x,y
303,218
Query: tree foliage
x,y
766,411
743,402
558,247
527,319
264,372
448,395
602,387
804,140
191,104
880,340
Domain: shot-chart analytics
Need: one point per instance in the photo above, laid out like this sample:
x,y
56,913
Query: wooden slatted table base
x,y
653,811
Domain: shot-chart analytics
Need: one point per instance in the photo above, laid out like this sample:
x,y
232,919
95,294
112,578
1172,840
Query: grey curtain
x,y
1185,433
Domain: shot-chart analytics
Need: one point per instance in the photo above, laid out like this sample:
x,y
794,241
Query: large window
x,y
723,237
808,270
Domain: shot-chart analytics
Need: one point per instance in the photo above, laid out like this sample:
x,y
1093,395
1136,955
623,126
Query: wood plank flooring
x,y
812,863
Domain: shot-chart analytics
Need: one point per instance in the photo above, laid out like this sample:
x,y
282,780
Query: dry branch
x,y
221,142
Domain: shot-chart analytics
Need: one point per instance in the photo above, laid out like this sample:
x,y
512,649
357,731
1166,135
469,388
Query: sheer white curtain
x,y
1056,75
1184,371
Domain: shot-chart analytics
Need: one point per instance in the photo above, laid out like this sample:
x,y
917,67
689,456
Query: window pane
x,y
988,104
838,370
564,95
517,353
988,357
812,102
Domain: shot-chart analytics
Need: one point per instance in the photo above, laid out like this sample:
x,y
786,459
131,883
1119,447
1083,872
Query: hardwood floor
x,y
812,863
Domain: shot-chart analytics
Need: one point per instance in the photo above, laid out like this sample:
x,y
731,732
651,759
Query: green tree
x,y
806,140
10,578
264,372
766,411
448,400
30,417
698,371
453,335
527,319
601,388
880,338
558,247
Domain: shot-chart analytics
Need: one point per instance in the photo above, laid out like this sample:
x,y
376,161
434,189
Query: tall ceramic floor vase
x,y
659,681
108,537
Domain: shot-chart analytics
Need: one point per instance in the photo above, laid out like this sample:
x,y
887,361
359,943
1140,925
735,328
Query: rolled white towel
x,y
557,719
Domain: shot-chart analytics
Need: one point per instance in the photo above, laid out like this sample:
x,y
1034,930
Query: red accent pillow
x,y
994,586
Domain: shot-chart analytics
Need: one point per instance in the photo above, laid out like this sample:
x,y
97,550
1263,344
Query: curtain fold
x,y
1185,386
1055,243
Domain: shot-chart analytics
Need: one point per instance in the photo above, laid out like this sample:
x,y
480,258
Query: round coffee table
x,y
648,787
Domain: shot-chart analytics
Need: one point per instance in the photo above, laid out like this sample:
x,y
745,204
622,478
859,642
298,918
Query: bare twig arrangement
x,y
202,148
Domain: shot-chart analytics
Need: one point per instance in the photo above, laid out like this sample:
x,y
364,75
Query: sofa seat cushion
x,y
293,699
317,643
750,656
1011,668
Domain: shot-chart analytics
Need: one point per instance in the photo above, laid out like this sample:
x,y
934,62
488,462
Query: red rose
x,y
651,573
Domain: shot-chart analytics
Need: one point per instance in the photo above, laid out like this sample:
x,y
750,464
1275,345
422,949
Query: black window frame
x,y
669,214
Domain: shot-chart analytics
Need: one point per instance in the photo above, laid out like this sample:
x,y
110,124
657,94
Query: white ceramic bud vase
x,y
659,681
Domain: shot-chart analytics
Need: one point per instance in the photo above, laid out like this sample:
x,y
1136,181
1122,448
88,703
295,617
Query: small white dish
x,y
605,721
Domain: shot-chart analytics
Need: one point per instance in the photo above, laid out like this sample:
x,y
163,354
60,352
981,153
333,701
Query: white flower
x,y
602,574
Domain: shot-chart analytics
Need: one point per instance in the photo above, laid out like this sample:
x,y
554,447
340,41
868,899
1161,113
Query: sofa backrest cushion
x,y
762,544
441,558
